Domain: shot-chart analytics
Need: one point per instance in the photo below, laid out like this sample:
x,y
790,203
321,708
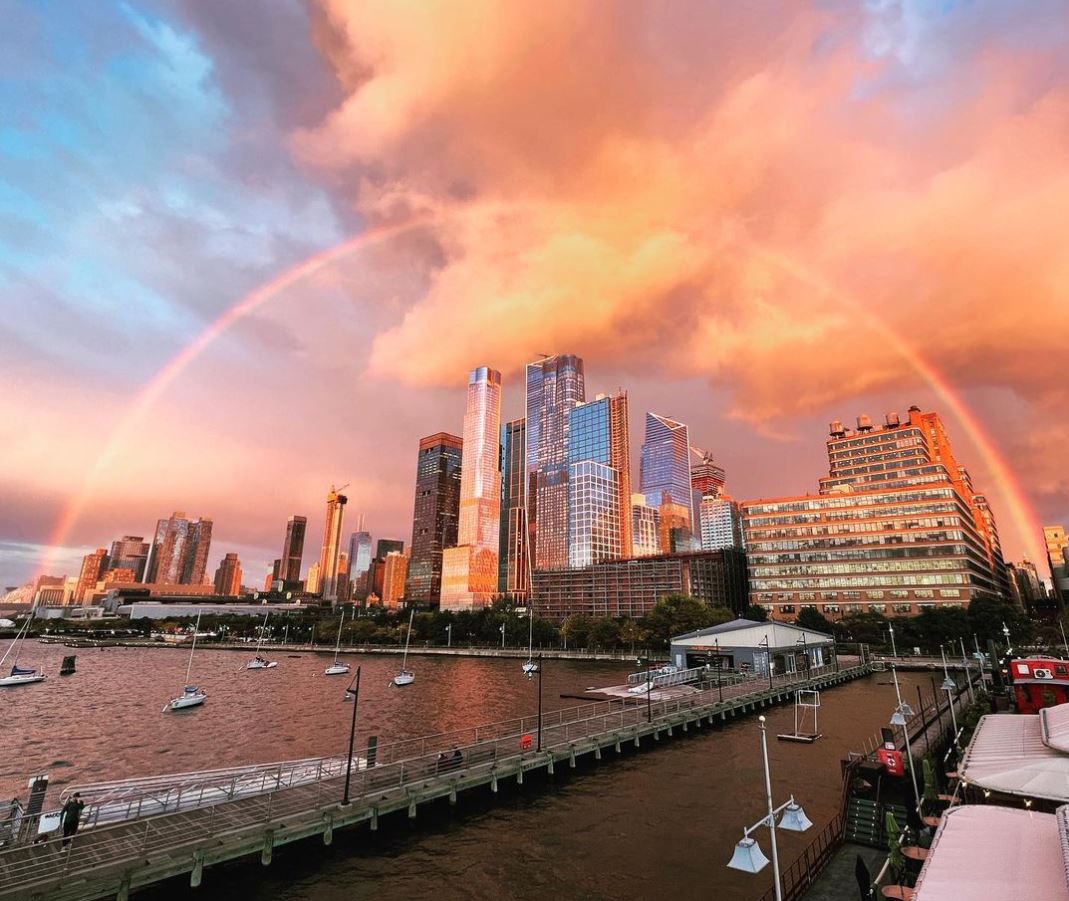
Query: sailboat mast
x,y
15,643
337,644
196,629
408,638
263,629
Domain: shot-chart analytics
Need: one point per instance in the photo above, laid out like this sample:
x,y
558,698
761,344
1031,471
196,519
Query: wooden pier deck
x,y
116,859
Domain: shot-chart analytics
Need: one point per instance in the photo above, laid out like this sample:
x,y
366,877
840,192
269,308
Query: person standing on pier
x,y
71,815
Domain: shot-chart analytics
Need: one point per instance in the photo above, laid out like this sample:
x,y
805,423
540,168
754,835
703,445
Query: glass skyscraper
x,y
555,385
721,523
434,518
665,465
512,553
469,571
359,563
328,555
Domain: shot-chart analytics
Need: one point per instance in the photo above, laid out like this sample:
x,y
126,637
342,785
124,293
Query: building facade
x,y
359,563
1058,561
129,552
435,515
665,465
228,576
707,477
893,530
328,555
554,386
394,573
594,533
645,527
632,587
179,553
469,570
292,550
721,522
94,566
512,563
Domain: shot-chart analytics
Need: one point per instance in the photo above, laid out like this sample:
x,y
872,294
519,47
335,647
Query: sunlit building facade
x,y
179,552
328,555
469,570
228,576
893,530
707,477
94,565
554,386
665,465
435,515
512,563
1058,561
721,522
292,549
312,581
394,571
129,552
359,563
593,513
645,527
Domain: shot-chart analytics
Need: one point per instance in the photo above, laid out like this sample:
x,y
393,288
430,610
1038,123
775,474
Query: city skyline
x,y
872,266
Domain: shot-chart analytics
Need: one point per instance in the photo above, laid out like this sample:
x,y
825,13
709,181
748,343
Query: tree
x,y
605,633
757,613
576,630
676,614
864,628
811,618
987,614
935,626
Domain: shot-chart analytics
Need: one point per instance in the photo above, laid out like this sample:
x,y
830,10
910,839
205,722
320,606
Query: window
x,y
879,608
786,608
874,595
903,608
831,608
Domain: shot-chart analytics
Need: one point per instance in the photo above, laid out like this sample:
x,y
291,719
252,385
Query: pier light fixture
x,y
794,818
748,856
898,718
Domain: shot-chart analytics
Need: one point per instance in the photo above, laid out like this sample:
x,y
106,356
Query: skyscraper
x,y
645,527
554,386
385,546
665,465
512,564
313,580
179,554
707,477
94,565
1057,545
895,526
599,524
293,549
129,552
228,576
435,515
328,556
721,523
344,590
469,571
395,566
359,563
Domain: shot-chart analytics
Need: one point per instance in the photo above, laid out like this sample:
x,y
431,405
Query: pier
x,y
207,825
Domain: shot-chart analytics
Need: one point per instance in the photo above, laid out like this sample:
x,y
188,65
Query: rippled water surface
x,y
645,825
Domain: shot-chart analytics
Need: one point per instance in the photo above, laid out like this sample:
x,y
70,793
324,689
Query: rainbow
x,y
1021,512
180,361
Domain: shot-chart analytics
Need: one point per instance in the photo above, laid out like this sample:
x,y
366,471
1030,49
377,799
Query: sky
x,y
754,217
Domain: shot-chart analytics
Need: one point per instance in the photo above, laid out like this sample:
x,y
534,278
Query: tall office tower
x,y
94,566
707,477
385,546
179,553
435,515
313,580
394,569
469,570
359,563
512,563
1028,588
675,536
1057,544
599,527
129,552
293,549
328,555
721,523
228,576
554,385
665,466
344,589
895,526
269,579
645,527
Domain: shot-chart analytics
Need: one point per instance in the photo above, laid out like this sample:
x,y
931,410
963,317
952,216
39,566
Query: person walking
x,y
70,815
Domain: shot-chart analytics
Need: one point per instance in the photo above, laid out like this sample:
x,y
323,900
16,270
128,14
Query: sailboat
x,y
336,668
20,675
191,695
259,661
406,676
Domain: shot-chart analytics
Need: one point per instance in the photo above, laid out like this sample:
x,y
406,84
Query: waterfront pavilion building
x,y
744,644
896,529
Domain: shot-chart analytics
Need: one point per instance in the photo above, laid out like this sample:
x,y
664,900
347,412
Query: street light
x,y
530,675
502,630
894,651
1006,632
353,693
449,636
968,674
748,856
763,643
899,718
950,686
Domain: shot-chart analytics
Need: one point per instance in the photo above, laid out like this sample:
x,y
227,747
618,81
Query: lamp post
x,y
949,686
539,747
748,856
449,636
353,691
894,651
899,718
968,674
1006,632
502,630
649,688
764,643
719,667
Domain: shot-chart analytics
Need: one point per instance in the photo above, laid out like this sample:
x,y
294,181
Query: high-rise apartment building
x,y
359,563
555,385
395,568
179,553
435,515
512,563
94,565
645,527
469,570
665,466
721,522
313,581
893,530
328,555
293,549
1027,586
129,552
344,589
1057,547
228,576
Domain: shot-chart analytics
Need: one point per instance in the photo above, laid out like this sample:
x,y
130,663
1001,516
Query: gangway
x,y
658,678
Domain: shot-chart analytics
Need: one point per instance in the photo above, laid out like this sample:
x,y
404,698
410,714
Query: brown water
x,y
646,825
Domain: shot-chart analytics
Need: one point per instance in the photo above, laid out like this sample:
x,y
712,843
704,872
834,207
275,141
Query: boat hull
x,y
13,681
254,665
185,702
404,678
338,669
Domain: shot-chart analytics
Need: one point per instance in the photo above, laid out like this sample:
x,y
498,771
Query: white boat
x,y
20,675
191,695
530,667
406,676
259,661
336,668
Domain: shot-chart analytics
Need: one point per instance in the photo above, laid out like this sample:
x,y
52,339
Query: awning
x,y
995,854
1007,754
1054,722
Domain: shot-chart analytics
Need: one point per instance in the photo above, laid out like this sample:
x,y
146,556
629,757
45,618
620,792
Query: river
x,y
646,825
